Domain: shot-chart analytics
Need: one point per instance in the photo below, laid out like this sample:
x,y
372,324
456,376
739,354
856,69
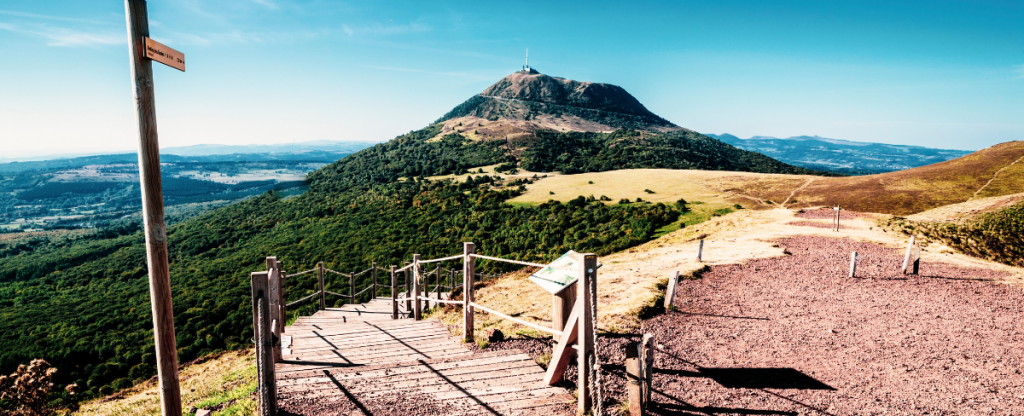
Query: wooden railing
x,y
573,311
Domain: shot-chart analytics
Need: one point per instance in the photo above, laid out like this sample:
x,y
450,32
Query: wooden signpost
x,y
152,198
162,54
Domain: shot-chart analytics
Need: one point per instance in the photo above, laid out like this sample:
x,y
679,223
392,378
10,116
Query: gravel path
x,y
791,335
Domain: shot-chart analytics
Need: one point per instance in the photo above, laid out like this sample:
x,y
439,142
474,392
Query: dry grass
x,y
229,378
967,210
711,187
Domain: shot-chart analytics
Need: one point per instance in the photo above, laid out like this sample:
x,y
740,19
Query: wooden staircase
x,y
358,360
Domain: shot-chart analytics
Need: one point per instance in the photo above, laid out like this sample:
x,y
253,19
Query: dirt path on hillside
x,y
809,181
994,176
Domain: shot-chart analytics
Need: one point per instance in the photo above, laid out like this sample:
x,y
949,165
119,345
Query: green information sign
x,y
559,274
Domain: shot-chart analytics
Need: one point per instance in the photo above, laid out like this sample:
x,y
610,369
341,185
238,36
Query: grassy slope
x,y
896,193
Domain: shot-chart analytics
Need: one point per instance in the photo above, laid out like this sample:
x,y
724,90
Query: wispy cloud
x,y
378,29
49,17
58,36
271,5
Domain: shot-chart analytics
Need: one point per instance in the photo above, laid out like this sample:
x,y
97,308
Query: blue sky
x,y
931,73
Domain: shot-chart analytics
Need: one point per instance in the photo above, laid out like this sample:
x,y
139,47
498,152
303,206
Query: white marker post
x,y
700,250
153,206
906,258
853,264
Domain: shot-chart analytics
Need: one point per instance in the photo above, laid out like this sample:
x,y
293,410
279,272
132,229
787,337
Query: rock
x,y
202,412
495,335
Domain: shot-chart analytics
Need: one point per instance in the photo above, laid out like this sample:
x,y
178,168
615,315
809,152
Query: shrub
x,y
27,391
648,191
624,201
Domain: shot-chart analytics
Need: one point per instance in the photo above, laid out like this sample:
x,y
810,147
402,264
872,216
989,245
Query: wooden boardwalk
x,y
357,360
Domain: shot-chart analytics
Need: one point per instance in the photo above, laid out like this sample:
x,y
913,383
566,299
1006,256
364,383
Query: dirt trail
x,y
994,176
796,190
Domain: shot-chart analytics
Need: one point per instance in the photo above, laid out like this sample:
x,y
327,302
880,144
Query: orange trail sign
x,y
167,56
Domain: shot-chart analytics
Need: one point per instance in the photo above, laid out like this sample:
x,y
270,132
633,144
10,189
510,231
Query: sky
x,y
927,73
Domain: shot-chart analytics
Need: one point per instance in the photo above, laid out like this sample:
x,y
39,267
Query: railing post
x,y
320,279
283,300
634,379
352,288
647,355
408,290
416,287
373,275
561,306
264,338
273,300
586,291
468,269
437,279
394,292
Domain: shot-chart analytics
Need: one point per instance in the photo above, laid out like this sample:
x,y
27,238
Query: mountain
x,y
528,98
841,156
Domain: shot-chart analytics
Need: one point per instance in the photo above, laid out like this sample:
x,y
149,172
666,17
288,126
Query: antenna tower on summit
x,y
526,68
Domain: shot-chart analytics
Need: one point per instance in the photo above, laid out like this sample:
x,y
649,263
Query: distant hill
x,y
841,156
316,151
995,171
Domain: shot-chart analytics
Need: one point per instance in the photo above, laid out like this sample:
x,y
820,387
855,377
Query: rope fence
x,y
300,273
518,321
303,299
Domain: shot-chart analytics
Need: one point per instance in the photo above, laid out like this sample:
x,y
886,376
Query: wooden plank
x,y
647,355
561,306
563,350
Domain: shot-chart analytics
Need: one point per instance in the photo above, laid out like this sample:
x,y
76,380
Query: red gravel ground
x,y
815,224
793,335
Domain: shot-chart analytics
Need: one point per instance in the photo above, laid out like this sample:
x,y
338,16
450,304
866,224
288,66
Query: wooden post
x,y
561,306
373,275
670,290
853,264
906,258
320,279
416,287
283,300
408,288
634,380
837,218
153,208
700,250
647,355
468,270
437,280
352,288
587,358
267,390
273,302
394,292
